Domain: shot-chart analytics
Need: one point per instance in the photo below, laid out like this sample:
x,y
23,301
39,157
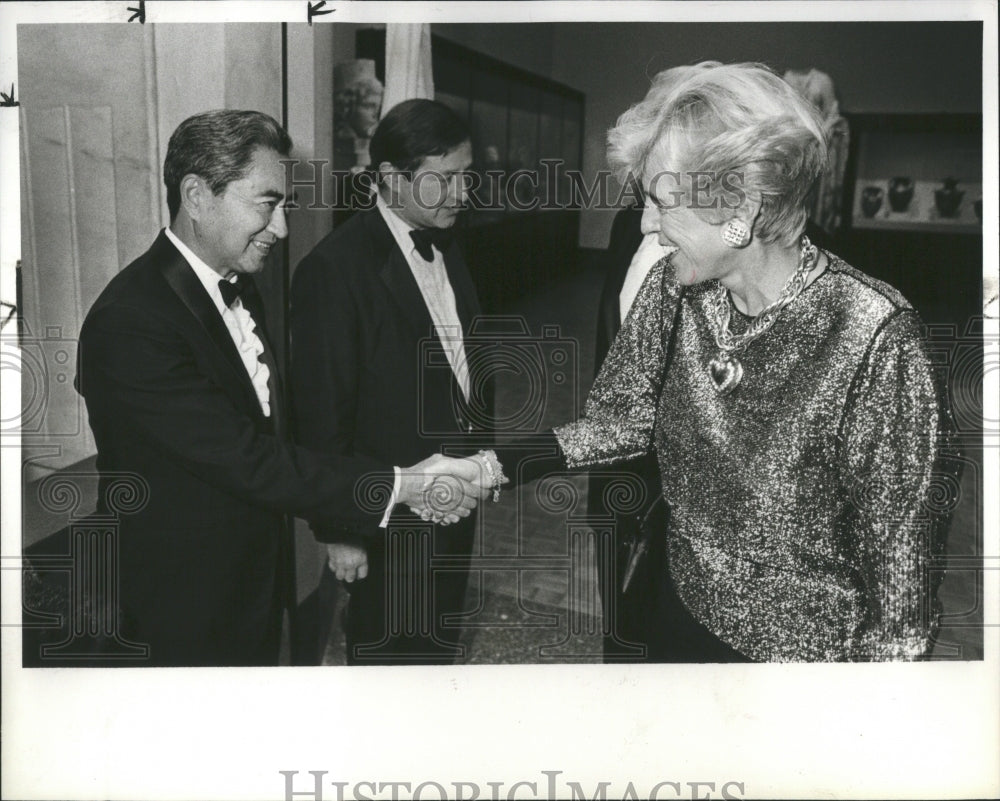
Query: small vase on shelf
x,y
871,200
900,194
948,198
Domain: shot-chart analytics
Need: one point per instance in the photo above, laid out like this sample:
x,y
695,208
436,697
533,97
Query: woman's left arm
x,y
890,440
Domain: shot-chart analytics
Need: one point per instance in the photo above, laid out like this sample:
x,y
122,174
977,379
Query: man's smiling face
x,y
237,228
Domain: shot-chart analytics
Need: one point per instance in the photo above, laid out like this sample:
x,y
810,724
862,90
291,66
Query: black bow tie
x,y
423,238
241,287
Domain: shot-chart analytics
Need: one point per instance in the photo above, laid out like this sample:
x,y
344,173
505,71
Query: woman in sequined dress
x,y
788,396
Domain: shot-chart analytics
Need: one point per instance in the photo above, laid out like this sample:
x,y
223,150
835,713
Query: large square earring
x,y
736,234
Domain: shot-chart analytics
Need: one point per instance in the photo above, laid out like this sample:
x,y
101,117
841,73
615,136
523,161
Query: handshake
x,y
444,489
439,489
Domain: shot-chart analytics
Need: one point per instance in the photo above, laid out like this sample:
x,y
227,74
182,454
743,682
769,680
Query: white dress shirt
x,y
238,321
432,278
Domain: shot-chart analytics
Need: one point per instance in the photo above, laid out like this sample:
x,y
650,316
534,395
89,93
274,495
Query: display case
x,y
912,210
917,172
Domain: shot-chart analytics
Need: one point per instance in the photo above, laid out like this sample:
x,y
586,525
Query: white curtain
x,y
407,63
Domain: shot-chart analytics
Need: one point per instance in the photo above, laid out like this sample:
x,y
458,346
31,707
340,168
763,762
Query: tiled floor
x,y
543,524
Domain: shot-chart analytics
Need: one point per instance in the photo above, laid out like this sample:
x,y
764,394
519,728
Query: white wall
x,y
98,105
90,205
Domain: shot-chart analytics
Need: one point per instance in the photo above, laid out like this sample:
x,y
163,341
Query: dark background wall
x,y
530,46
884,67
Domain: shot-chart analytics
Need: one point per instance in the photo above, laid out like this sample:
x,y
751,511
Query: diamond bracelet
x,y
495,471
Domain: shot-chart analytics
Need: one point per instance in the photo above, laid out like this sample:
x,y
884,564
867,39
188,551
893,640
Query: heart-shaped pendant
x,y
726,372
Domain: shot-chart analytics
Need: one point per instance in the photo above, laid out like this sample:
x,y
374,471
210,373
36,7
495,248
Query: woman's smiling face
x,y
671,211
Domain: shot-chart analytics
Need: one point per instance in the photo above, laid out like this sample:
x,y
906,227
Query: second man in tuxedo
x,y
381,309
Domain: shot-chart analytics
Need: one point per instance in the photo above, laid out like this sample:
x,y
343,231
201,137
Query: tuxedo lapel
x,y
277,391
185,284
396,274
254,303
402,285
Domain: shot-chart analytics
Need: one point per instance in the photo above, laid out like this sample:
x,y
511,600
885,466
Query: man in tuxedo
x,y
381,309
179,376
628,572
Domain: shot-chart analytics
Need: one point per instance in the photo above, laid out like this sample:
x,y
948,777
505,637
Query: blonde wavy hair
x,y
729,123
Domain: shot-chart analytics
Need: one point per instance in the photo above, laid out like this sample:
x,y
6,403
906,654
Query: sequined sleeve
x,y
889,439
620,411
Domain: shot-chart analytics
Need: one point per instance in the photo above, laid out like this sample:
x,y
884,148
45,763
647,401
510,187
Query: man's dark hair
x,y
413,130
218,146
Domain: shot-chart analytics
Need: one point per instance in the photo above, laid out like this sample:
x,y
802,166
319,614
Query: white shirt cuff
x,y
392,499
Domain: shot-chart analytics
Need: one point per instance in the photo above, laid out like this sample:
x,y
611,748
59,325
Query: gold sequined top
x,y
799,517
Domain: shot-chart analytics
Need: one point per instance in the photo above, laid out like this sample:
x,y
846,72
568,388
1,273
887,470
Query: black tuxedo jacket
x,y
369,376
202,570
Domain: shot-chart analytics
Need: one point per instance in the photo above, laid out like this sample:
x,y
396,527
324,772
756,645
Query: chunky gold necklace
x,y
725,368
